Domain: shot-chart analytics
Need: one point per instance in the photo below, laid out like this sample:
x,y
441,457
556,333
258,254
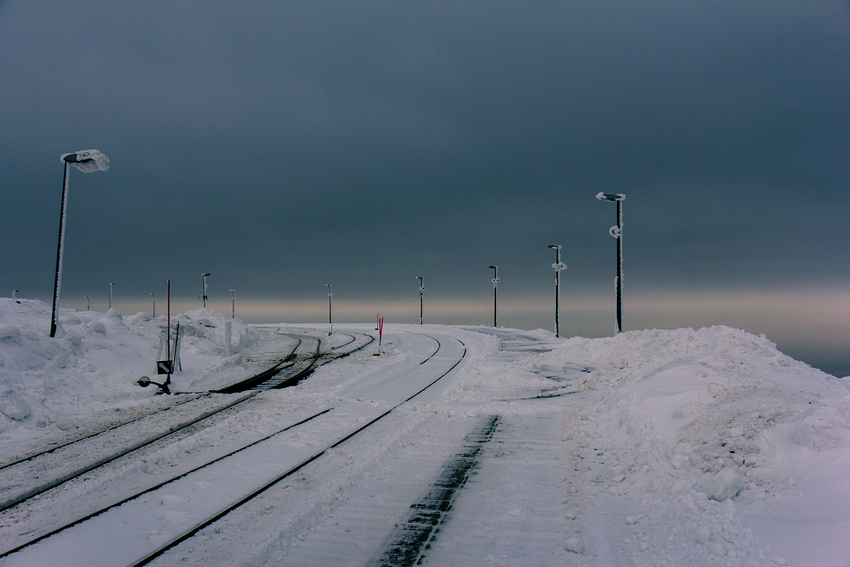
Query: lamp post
x,y
154,305
88,303
495,292
421,291
617,232
233,303
86,161
558,266
204,295
110,295
330,313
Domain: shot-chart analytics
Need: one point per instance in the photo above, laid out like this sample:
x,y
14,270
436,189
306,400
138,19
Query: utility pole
x,y
421,291
204,295
558,266
330,312
495,292
617,232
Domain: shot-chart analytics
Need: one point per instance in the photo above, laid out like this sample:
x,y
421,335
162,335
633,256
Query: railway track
x,y
38,472
206,486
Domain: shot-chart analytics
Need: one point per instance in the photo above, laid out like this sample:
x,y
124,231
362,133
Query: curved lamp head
x,y
610,197
87,161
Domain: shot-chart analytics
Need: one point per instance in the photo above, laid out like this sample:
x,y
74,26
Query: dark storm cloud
x,y
284,145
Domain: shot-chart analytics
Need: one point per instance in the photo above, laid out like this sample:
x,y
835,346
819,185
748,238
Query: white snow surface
x,y
650,448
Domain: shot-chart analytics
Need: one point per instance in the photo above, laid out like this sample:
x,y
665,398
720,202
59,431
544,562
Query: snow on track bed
x,y
685,447
183,505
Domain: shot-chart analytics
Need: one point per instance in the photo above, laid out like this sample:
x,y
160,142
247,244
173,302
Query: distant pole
x,y
110,295
154,305
168,325
233,304
558,266
617,232
14,294
330,313
88,303
204,295
495,292
421,291
86,161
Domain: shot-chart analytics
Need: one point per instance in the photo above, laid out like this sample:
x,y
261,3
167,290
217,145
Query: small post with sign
x,y
380,334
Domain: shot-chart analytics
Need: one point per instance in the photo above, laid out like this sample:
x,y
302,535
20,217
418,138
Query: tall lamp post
x,y
495,292
110,295
617,232
204,295
86,161
233,304
154,305
330,313
558,266
421,291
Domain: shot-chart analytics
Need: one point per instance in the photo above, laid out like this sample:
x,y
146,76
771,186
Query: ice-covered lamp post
x,y
330,313
110,295
495,292
421,291
558,266
204,295
86,161
232,303
617,232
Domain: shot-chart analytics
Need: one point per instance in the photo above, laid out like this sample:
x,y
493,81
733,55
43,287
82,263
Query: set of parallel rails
x,y
253,493
56,452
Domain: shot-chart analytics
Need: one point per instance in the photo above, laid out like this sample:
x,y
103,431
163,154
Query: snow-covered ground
x,y
656,447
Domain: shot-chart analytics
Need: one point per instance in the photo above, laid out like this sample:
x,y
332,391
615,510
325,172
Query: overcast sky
x,y
283,146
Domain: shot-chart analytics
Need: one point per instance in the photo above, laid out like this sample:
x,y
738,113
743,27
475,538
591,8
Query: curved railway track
x,y
265,445
24,476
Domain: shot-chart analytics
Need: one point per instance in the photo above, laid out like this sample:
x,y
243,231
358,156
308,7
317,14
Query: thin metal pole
x,y
154,305
233,306
330,311
421,291
495,293
620,267
58,279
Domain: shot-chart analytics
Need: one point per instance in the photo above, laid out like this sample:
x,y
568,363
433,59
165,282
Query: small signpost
x,y
380,328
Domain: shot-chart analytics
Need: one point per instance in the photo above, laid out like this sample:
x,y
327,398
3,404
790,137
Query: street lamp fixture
x,y
617,232
330,313
558,266
86,161
204,296
495,281
421,291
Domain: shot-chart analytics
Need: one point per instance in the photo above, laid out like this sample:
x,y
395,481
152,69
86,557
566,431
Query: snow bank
x,y
693,431
95,360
